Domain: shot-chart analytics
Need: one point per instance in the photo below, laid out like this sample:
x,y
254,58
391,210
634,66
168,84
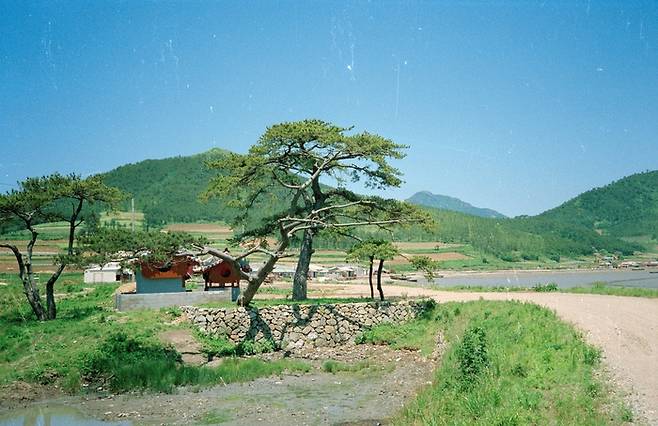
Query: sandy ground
x,y
625,328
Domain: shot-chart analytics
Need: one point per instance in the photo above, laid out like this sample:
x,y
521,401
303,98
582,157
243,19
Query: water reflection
x,y
49,415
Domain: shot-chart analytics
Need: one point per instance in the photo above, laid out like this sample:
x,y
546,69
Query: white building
x,y
317,271
347,271
108,273
283,271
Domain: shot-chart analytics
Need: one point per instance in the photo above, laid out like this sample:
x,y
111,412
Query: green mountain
x,y
624,208
427,199
167,190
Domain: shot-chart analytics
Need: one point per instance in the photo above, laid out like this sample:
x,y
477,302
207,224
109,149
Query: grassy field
x,y
90,344
52,239
594,288
505,363
123,219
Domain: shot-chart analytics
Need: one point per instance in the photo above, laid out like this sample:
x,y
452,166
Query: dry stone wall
x,y
292,327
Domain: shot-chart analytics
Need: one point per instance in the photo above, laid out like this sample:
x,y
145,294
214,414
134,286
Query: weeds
x,y
122,363
506,363
331,366
626,414
472,354
214,417
220,346
546,288
89,343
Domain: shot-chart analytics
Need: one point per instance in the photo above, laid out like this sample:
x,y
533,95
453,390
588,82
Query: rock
x,y
300,326
215,363
194,359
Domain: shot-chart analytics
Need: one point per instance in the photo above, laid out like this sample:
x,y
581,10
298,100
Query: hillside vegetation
x,y
517,239
167,191
625,208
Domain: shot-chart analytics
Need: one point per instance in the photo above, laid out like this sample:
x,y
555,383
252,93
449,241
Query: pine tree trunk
x,y
299,284
26,275
50,293
255,283
32,293
372,290
50,301
379,279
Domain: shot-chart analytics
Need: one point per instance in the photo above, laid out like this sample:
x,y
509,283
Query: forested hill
x,y
167,190
625,208
427,199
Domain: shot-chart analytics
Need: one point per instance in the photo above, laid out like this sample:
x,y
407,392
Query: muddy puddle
x,y
53,415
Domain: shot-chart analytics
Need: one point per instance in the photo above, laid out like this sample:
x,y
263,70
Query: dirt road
x,y
625,328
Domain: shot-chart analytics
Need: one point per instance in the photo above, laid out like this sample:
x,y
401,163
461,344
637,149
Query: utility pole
x,y
132,214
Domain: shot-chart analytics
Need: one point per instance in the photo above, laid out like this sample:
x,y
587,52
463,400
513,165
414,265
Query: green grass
x,y
602,288
214,417
90,343
414,335
214,346
126,364
53,351
594,288
363,367
505,363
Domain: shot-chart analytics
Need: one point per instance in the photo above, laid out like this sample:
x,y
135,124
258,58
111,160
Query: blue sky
x,y
515,106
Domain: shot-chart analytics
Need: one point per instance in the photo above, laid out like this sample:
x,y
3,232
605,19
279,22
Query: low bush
x,y
546,288
214,346
472,354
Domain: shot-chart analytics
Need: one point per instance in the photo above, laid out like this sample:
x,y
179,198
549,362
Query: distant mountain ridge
x,y
444,202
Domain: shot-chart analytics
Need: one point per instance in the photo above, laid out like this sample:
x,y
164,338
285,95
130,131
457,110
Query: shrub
x,y
472,353
250,347
427,308
530,256
125,363
509,257
546,288
220,346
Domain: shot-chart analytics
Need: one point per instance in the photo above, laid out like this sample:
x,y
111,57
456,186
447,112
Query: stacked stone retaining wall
x,y
296,326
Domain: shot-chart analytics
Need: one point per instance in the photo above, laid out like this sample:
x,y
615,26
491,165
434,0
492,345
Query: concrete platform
x,y
134,301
